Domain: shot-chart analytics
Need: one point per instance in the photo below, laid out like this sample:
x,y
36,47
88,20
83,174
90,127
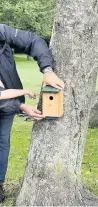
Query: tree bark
x,y
53,174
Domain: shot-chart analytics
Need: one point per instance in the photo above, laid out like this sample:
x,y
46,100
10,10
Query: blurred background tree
x,y
35,15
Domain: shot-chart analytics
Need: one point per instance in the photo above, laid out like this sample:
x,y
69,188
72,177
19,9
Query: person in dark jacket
x,y
36,47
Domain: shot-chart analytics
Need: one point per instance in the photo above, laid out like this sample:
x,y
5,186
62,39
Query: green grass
x,y
29,74
90,161
20,139
21,134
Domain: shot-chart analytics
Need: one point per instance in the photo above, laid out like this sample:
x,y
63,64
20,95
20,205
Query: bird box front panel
x,y
53,104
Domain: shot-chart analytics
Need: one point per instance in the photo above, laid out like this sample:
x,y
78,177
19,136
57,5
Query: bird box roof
x,y
50,89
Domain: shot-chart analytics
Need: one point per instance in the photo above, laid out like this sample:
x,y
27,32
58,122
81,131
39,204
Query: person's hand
x,y
50,78
32,112
31,94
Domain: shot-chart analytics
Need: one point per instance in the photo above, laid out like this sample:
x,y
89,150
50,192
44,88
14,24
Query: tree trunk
x,y
93,122
54,162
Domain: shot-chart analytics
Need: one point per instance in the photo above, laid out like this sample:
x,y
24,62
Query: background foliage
x,y
33,15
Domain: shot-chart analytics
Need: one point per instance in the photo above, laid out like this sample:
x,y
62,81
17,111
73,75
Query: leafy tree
x,y
33,15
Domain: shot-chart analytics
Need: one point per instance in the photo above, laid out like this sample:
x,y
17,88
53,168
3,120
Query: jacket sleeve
x,y
29,42
10,106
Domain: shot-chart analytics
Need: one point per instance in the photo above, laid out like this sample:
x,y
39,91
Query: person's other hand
x,y
32,95
32,112
50,78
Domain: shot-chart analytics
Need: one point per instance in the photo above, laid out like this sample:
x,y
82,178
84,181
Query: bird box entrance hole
x,y
51,98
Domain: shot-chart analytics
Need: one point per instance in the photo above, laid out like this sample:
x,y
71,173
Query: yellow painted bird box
x,y
52,102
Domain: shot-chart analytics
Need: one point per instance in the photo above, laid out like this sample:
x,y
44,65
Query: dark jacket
x,y
31,44
9,106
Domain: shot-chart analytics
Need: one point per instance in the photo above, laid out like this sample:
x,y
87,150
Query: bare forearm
x,y
12,93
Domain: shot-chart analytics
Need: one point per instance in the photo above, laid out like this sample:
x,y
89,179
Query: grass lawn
x,y
21,133
90,161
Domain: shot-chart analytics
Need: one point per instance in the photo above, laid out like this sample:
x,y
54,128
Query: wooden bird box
x,y
52,102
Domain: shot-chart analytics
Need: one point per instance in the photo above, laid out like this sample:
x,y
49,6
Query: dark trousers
x,y
6,122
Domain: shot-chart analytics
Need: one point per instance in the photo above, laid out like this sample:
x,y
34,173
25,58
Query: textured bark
x,y
54,162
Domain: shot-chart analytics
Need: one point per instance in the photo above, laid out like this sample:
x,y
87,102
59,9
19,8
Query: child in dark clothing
x,y
9,103
9,106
